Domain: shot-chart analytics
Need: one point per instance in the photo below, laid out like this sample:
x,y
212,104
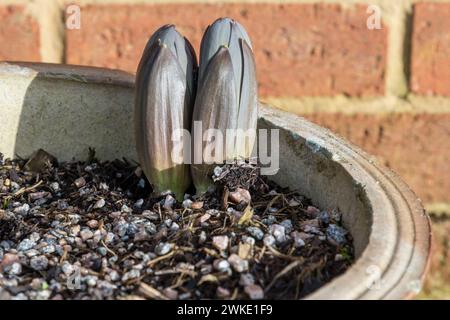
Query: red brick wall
x,y
298,51
430,68
19,35
311,51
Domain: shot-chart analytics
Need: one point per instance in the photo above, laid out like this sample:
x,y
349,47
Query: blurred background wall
x,y
385,87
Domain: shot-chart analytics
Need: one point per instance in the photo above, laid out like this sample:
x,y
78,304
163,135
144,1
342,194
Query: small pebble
x,y
336,235
217,171
298,239
187,204
254,292
273,210
240,195
26,244
168,222
269,220
163,248
92,224
222,292
312,210
287,224
126,209
54,186
339,257
238,264
221,265
20,296
202,237
86,234
115,214
184,296
102,251
67,268
62,205
324,217
39,263
103,186
174,227
91,281
48,249
279,232
204,218
256,232
23,209
269,240
197,205
336,215
15,269
14,186
37,195
170,293
109,238
141,183
99,204
138,204
213,212
169,202
220,242
246,279
150,215
132,274
80,182
250,240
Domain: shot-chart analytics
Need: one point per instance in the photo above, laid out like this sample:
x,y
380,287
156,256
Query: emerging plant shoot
x,y
164,97
226,100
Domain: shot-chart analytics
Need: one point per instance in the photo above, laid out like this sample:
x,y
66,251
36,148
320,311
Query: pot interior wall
x,y
309,168
66,117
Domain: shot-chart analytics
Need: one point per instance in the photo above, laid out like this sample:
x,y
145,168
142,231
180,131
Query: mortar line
x,y
413,104
51,28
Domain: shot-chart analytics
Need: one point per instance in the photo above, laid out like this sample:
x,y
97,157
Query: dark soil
x,y
92,230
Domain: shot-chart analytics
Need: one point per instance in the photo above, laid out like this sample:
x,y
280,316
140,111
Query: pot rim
x,y
400,237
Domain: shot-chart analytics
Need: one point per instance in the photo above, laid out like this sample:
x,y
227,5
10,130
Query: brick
x,y
430,60
416,146
300,49
19,35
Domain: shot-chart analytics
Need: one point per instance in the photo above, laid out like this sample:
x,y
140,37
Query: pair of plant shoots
x,y
173,92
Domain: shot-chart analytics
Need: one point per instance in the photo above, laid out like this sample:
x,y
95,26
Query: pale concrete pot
x,y
66,109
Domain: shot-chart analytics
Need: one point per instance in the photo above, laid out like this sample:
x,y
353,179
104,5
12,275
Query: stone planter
x,y
66,109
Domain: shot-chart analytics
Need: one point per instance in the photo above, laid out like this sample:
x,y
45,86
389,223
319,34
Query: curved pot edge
x,y
412,222
122,78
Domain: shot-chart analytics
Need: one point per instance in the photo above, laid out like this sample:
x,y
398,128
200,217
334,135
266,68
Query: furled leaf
x,y
227,72
215,107
164,92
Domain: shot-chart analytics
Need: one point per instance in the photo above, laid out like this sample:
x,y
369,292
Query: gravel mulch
x,y
93,230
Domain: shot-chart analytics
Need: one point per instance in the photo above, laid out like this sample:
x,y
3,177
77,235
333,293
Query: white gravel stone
x,y
54,186
238,264
279,232
163,248
99,204
269,240
187,204
221,265
23,209
220,242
